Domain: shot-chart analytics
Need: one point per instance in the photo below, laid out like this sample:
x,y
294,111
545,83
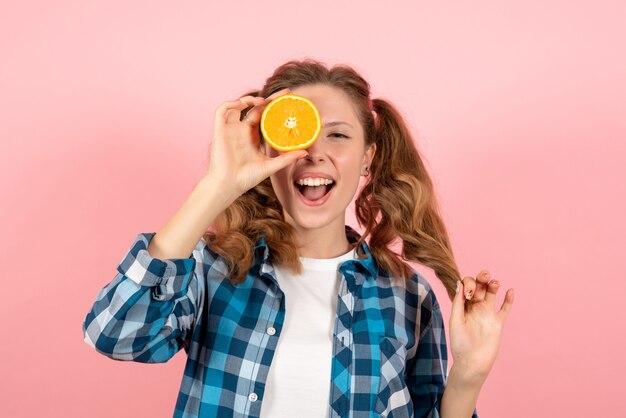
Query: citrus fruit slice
x,y
290,122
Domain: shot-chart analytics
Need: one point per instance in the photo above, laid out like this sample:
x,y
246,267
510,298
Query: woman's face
x,y
339,154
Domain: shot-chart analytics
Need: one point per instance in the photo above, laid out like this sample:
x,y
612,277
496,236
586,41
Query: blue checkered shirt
x,y
389,355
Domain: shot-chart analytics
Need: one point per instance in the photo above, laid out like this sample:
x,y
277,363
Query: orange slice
x,y
290,122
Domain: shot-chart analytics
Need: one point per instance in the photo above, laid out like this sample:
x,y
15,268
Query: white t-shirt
x,y
298,384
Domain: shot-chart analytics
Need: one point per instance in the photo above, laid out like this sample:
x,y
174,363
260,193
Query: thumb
x,y
283,160
457,315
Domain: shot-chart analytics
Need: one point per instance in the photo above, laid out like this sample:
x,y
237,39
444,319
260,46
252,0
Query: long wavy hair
x,y
396,205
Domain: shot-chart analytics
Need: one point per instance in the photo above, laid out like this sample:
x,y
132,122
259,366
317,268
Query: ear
x,y
369,155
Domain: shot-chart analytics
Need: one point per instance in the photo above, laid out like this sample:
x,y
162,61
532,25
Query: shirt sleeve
x,y
147,312
428,371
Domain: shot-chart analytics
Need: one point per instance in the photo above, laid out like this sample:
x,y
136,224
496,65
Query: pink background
x,y
105,117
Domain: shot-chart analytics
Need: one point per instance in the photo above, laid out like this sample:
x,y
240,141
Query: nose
x,y
315,157
316,152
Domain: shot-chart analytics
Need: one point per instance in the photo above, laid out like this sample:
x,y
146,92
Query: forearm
x,y
460,395
179,236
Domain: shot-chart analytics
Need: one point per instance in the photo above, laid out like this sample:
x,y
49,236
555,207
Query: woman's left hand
x,y
476,326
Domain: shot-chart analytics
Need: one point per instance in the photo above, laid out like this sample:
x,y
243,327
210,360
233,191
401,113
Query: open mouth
x,y
314,193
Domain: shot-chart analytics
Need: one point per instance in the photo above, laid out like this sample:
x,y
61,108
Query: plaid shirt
x,y
389,356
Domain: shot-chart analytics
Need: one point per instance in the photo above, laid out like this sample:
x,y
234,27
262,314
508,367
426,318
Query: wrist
x,y
463,377
218,186
460,395
215,194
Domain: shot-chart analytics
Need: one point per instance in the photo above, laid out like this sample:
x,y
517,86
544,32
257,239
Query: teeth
x,y
310,181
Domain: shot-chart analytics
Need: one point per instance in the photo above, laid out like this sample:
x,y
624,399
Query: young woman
x,y
283,309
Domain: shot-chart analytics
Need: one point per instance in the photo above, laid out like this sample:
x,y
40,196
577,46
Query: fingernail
x,y
495,283
468,294
487,275
458,286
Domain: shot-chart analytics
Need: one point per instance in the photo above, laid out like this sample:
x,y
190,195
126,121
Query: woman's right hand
x,y
236,155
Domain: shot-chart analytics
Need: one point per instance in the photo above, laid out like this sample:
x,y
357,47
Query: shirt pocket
x,y
393,393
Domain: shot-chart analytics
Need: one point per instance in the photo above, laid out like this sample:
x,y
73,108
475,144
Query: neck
x,y
329,241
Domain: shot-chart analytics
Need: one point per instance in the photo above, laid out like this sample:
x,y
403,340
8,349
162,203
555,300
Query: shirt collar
x,y
366,264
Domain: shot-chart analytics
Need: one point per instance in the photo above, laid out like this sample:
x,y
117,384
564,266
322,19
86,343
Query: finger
x,y
254,114
469,286
251,99
228,109
251,102
237,107
492,290
506,305
482,279
283,160
457,314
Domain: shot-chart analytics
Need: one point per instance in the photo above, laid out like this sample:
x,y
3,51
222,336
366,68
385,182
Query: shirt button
x,y
271,330
253,397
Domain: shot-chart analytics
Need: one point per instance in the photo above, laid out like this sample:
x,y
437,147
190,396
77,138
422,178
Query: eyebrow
x,y
339,122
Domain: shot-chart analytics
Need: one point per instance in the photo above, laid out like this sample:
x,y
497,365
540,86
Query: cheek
x,y
350,168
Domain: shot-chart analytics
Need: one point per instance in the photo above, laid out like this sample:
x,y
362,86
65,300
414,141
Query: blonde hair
x,y
397,202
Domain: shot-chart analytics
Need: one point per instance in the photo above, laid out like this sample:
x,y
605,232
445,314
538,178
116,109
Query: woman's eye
x,y
340,135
